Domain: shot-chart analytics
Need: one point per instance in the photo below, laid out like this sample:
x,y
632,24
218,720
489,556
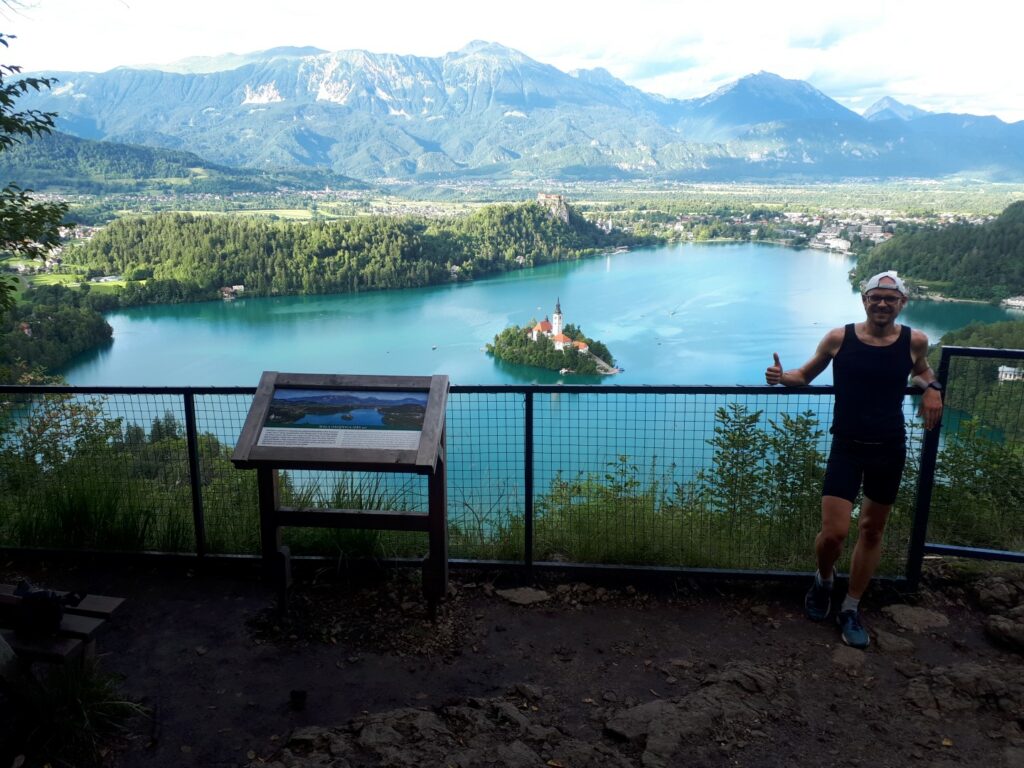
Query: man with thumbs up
x,y
871,361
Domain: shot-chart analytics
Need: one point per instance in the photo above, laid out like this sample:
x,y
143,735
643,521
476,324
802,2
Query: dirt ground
x,y
670,674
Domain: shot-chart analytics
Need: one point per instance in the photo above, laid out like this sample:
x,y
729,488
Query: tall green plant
x,y
736,483
81,509
619,516
351,492
796,467
68,717
978,498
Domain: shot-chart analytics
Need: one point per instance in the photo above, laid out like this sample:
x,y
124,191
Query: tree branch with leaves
x,y
28,226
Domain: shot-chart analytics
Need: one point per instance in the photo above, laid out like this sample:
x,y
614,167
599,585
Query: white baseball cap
x,y
875,282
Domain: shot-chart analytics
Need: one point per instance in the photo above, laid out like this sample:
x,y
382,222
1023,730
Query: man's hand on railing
x,y
931,407
773,374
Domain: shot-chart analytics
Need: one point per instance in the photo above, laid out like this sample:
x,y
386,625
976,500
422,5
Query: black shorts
x,y
879,466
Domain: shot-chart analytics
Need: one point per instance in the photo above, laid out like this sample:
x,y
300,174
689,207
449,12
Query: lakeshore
x,y
938,297
677,314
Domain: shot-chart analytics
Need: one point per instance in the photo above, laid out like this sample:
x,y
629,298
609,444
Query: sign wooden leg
x,y
283,567
435,566
276,560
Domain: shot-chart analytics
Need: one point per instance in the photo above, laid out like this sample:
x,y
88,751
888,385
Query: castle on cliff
x,y
557,206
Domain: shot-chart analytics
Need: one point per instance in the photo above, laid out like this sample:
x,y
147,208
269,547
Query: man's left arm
x,y
922,375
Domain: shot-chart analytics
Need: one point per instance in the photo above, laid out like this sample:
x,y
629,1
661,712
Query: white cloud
x,y
934,54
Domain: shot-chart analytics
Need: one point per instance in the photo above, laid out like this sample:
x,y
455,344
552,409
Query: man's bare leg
x,y
835,526
868,551
866,555
828,546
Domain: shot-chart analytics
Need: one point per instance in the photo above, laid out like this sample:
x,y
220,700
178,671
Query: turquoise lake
x,y
679,314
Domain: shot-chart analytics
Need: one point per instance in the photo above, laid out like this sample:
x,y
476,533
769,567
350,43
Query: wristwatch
x,y
934,385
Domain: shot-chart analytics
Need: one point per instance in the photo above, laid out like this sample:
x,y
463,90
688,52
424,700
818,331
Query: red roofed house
x,y
561,340
543,327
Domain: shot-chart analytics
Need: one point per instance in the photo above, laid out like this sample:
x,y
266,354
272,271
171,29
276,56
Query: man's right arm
x,y
809,371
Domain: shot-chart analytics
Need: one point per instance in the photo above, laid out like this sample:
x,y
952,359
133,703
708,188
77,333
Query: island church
x,y
553,330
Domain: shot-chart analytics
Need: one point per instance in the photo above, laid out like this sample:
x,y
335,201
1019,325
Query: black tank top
x,y
870,383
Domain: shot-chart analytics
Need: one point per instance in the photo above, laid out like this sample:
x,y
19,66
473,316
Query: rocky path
x,y
746,684
565,675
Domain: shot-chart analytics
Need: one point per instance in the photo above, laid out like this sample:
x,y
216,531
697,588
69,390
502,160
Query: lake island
x,y
554,345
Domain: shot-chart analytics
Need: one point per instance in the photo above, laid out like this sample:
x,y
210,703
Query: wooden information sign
x,y
385,424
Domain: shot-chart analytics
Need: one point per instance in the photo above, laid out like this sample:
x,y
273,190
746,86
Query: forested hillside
x,y
173,258
180,257
963,261
1005,335
62,163
974,386
49,327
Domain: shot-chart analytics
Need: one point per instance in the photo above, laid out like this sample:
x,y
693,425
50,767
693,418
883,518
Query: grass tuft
x,y
67,718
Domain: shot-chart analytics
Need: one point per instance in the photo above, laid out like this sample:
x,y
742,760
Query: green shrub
x,y
67,717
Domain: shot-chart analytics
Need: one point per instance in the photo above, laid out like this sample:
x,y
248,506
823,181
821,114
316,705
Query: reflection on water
x,y
680,314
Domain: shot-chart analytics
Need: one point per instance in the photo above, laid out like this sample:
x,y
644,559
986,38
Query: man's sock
x,y
850,604
823,582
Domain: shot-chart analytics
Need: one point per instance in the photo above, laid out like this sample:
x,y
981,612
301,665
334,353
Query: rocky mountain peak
x,y
486,49
887,108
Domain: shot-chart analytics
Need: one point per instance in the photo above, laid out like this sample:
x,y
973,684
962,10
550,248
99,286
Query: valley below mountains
x,y
487,111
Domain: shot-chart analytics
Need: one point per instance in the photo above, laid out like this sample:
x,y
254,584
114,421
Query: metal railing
x,y
984,415
655,478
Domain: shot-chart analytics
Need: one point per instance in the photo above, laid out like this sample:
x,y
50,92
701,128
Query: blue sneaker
x,y
818,601
854,633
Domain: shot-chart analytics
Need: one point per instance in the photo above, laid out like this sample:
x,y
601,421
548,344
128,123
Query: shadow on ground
x,y
561,673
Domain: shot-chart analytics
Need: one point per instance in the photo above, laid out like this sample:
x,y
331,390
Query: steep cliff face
x,y
556,206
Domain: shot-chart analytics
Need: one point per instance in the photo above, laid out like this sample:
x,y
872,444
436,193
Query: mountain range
x,y
490,111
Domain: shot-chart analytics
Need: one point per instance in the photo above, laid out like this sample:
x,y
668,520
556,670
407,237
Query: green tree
x,y
797,466
738,477
165,428
27,226
978,496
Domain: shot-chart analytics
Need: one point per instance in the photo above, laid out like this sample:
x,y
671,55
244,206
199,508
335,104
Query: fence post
x,y
925,483
192,440
528,481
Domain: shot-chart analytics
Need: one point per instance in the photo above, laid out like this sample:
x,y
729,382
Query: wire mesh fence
x,y
95,471
713,478
687,477
230,505
978,494
486,470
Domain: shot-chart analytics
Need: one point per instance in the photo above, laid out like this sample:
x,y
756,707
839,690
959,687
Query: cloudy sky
x,y
938,55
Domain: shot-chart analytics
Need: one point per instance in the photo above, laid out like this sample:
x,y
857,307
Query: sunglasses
x,y
891,301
